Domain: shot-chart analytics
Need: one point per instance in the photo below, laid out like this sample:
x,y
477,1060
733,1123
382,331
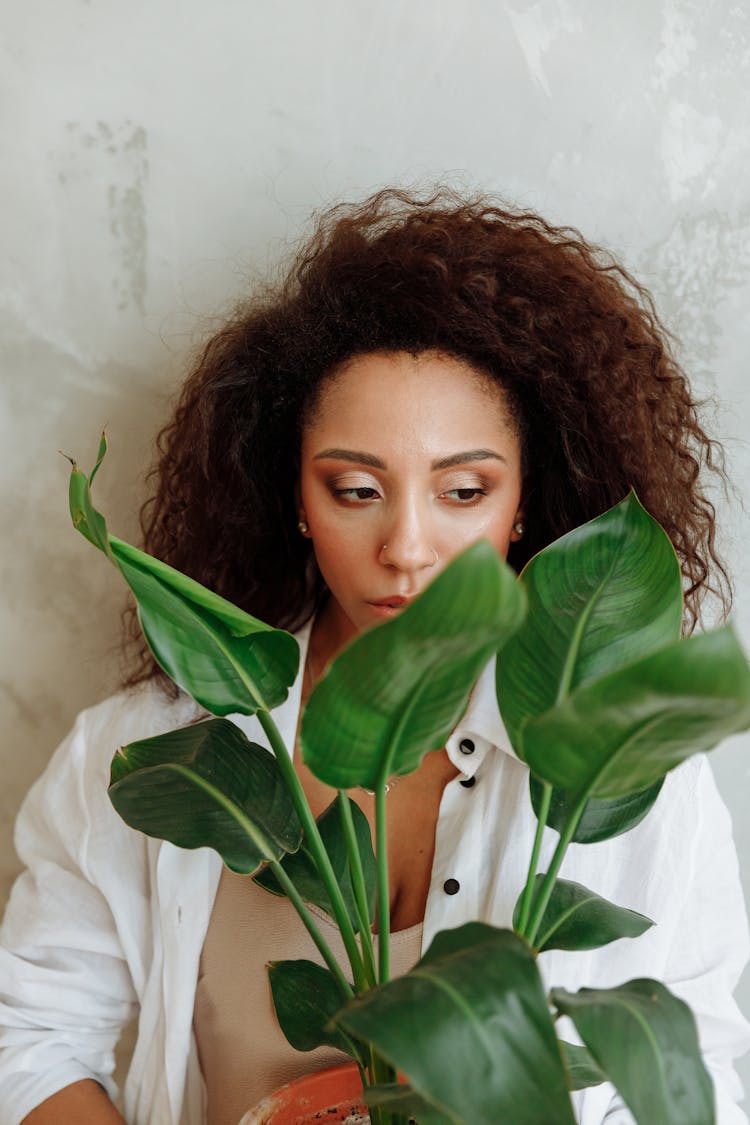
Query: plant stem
x,y
383,1074
381,844
317,848
358,886
549,879
344,987
384,894
528,893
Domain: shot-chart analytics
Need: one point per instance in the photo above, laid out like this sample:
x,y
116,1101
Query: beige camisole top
x,y
243,1053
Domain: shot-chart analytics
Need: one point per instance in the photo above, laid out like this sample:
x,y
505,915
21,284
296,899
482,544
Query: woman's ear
x,y
301,517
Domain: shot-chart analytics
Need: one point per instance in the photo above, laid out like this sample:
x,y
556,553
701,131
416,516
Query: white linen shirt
x,y
105,922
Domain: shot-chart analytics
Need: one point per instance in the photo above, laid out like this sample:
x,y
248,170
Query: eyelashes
x,y
464,496
361,492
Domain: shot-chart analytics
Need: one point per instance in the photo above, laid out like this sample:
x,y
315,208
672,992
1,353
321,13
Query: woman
x,y
429,372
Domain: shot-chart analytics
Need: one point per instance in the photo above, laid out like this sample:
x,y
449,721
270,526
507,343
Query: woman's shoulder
x,y
686,785
84,755
136,712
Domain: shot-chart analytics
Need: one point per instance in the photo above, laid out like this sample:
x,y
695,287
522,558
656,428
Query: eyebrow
x,y
359,457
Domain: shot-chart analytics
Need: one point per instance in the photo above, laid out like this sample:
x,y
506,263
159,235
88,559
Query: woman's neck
x,y
331,632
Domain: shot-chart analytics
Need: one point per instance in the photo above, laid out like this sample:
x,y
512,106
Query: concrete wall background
x,y
156,156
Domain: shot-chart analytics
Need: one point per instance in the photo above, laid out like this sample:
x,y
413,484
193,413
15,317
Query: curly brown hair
x,y
571,337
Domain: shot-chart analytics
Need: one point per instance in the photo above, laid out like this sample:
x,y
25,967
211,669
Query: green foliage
x,y
576,918
230,662
624,731
601,596
645,1041
398,690
582,1070
599,697
303,873
401,1098
227,660
471,1028
603,818
206,785
305,999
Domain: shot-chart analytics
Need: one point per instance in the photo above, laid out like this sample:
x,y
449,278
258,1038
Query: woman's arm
x,y
65,984
710,947
83,1103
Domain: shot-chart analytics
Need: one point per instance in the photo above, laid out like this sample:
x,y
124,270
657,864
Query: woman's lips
x,y
388,607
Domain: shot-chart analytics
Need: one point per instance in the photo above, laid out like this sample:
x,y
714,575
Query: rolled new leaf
x,y
603,818
84,515
623,732
225,658
305,998
206,785
644,1039
576,918
398,690
470,1028
601,596
301,869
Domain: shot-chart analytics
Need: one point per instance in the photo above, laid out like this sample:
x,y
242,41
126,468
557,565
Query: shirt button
x,y
468,782
451,886
466,746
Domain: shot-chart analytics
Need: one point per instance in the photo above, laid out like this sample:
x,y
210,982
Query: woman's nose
x,y
407,542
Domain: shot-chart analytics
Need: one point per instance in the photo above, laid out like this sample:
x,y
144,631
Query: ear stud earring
x,y
518,527
303,528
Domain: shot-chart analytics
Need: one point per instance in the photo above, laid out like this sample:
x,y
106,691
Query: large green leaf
x,y
196,637
403,1099
305,998
398,690
601,596
582,1070
576,918
206,785
645,1041
470,1028
301,869
225,658
602,818
626,730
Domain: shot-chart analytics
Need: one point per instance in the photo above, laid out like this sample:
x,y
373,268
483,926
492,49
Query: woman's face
x,y
404,462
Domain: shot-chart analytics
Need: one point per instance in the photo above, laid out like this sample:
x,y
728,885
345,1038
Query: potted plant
x,y
600,697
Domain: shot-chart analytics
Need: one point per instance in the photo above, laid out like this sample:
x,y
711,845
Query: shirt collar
x,y
481,729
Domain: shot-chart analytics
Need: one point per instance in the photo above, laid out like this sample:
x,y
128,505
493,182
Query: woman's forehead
x,y
429,400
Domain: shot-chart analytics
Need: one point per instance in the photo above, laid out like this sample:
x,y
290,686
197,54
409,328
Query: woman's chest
x,y
413,805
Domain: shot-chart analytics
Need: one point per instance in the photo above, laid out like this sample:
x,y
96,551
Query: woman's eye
x,y
465,495
362,493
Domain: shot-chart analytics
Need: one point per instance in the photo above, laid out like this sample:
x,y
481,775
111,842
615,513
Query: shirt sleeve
x,y
710,946
65,987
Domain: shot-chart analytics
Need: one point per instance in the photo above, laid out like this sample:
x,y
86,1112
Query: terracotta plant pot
x,y
333,1095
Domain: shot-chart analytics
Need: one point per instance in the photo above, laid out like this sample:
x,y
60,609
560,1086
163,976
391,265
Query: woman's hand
x,y
82,1103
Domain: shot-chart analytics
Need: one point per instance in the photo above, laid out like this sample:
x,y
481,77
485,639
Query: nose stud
x,y
434,552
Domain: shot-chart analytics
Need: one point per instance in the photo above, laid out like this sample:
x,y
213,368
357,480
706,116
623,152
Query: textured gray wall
x,y
156,155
